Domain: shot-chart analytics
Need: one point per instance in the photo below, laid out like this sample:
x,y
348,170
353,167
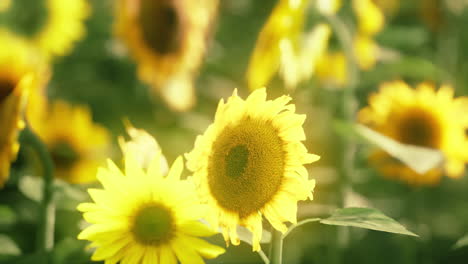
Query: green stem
x,y
264,257
347,111
300,223
276,250
45,232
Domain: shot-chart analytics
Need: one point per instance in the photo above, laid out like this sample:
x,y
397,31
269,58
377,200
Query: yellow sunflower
x,y
283,47
422,117
77,145
250,163
145,145
52,26
167,38
143,217
370,21
18,76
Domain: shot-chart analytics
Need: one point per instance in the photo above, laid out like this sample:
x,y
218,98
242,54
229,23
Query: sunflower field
x,y
233,131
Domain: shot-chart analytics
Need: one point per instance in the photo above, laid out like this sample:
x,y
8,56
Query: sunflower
x,y
77,145
167,38
282,46
422,117
144,217
249,163
144,144
332,69
18,76
50,25
370,21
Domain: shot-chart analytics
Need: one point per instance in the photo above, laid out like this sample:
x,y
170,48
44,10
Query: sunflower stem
x,y
264,257
348,109
276,249
45,232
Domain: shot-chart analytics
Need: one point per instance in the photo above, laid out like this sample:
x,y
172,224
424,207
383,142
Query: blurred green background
x,y
98,75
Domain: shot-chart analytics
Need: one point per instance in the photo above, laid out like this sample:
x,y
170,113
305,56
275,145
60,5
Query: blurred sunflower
x,y
18,75
282,46
250,162
370,21
145,145
168,39
77,145
422,117
50,25
144,217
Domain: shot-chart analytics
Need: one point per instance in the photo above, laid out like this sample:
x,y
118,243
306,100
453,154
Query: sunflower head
x,y
167,38
332,69
281,31
249,163
77,145
370,17
144,144
423,117
18,75
142,216
52,26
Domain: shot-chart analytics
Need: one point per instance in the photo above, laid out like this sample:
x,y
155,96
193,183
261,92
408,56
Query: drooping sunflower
x,y
52,26
423,117
143,217
283,47
250,163
18,76
168,39
77,145
370,21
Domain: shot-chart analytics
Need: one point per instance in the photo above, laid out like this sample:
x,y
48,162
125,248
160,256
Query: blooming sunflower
x,y
249,163
50,25
144,217
17,78
283,47
77,145
167,38
422,117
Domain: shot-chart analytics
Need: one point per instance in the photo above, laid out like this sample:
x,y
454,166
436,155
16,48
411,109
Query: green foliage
x,y
367,218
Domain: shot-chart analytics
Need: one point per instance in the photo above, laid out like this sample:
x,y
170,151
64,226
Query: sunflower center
x,y
236,161
160,25
64,155
153,225
419,127
26,21
246,167
6,88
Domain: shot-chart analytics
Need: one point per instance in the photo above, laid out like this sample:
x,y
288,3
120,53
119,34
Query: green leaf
x,y
31,187
462,242
366,218
7,216
8,246
419,159
68,196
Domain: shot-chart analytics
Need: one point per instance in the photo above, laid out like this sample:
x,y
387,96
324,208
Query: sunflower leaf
x,y
420,159
366,218
68,196
462,242
7,216
31,187
8,247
